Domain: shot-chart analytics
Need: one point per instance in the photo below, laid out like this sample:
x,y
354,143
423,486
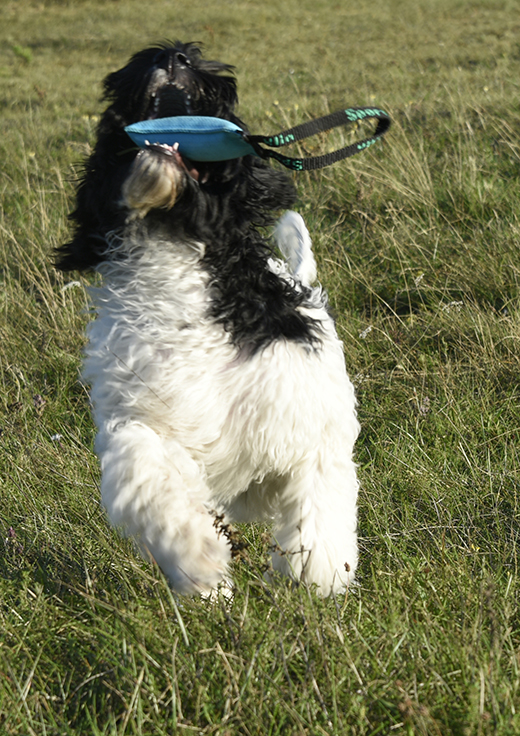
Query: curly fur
x,y
217,379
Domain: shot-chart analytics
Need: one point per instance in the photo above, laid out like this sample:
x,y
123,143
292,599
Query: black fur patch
x,y
225,210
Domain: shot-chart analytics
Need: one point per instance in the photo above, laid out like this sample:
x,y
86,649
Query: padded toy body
x,y
200,138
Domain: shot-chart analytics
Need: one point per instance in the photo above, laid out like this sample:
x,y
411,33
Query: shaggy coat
x,y
217,380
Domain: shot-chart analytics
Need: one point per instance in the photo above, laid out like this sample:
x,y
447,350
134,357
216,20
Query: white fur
x,y
188,425
293,239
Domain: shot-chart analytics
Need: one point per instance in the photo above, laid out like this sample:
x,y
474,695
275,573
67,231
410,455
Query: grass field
x,y
417,242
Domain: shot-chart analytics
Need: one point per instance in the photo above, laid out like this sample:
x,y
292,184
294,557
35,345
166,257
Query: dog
x,y
218,383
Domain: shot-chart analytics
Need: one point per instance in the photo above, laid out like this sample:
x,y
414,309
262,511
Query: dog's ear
x,y
126,87
270,188
250,184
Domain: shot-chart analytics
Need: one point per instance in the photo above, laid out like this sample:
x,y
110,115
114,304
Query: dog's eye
x,y
158,58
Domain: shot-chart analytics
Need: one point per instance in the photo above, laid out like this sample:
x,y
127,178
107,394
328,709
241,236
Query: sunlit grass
x,y
417,245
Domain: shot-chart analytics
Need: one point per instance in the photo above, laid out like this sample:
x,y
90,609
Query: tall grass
x,y
417,244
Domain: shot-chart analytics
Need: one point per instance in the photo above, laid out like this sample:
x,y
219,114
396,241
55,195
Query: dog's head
x,y
170,80
222,202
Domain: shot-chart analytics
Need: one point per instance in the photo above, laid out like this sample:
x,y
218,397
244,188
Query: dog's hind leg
x,y
316,524
154,490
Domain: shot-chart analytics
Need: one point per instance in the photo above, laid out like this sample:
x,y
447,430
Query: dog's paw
x,y
156,180
193,557
224,592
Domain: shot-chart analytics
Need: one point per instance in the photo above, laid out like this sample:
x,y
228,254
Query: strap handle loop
x,y
320,125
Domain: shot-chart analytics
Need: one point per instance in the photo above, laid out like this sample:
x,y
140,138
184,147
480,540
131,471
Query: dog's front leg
x,y
156,180
154,490
316,524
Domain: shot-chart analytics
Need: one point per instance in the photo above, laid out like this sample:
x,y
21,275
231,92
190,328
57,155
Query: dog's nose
x,y
182,59
177,60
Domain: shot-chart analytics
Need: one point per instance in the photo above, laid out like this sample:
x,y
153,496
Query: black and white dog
x,y
218,382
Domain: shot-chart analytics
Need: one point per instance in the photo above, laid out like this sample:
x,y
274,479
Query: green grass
x,y
417,243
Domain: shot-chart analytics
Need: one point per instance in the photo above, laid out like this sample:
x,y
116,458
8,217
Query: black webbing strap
x,y
327,122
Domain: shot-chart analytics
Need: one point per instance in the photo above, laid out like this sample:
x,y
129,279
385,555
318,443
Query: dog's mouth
x,y
167,98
